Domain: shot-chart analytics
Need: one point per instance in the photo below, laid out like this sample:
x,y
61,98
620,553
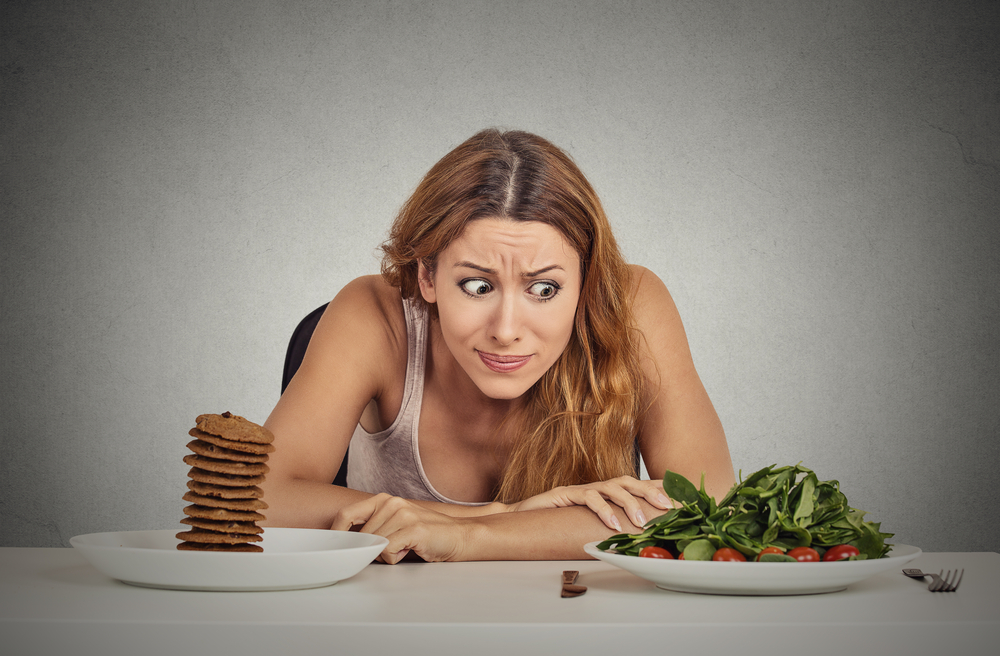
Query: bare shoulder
x,y
645,281
366,317
658,321
652,302
369,297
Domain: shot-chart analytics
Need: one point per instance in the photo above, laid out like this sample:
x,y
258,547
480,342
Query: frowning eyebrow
x,y
493,272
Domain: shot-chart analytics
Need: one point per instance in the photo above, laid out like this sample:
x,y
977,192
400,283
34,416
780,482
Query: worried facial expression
x,y
506,295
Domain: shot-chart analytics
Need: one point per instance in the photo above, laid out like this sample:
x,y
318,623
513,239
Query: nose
x,y
506,325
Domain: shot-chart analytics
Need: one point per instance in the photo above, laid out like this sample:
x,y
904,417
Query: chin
x,y
503,392
503,389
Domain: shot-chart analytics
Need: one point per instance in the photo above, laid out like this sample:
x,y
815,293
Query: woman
x,y
507,333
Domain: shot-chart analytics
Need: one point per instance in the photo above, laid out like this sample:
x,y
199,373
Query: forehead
x,y
525,244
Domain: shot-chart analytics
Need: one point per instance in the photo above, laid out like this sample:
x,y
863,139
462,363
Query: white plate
x,y
752,578
293,558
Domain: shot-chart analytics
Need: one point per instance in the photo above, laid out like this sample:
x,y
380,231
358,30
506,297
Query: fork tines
x,y
947,581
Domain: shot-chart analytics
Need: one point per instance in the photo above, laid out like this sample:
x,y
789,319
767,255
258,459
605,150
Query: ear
x,y
426,281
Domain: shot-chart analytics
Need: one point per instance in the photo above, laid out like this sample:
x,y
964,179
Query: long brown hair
x,y
581,417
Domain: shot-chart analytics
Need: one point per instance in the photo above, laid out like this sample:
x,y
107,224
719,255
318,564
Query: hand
x,y
409,527
623,491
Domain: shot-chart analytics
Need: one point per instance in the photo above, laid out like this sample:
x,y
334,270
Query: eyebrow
x,y
526,274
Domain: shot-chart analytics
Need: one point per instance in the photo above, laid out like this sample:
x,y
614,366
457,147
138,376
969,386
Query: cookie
x,y
223,527
228,462
213,537
229,504
222,514
208,546
230,480
225,492
233,427
246,447
217,466
209,450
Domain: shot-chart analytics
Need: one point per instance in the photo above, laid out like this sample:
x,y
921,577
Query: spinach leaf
x,y
681,489
775,506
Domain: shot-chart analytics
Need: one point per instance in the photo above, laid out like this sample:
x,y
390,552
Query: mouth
x,y
503,364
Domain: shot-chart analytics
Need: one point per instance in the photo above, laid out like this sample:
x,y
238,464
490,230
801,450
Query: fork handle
x,y
918,574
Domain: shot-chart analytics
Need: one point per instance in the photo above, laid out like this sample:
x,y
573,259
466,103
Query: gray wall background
x,y
816,182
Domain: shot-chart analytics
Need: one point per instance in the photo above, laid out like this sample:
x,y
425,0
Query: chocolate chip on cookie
x,y
233,427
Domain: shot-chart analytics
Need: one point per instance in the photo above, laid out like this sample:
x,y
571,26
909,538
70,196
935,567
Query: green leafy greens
x,y
782,507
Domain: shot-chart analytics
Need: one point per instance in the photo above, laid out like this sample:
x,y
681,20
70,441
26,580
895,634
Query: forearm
x,y
458,510
300,503
545,534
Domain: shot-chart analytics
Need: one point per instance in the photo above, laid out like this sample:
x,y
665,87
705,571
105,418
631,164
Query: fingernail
x,y
615,523
641,518
664,499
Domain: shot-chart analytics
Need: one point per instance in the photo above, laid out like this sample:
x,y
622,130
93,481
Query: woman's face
x,y
506,294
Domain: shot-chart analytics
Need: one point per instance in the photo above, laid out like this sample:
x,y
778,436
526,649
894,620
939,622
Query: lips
x,y
503,364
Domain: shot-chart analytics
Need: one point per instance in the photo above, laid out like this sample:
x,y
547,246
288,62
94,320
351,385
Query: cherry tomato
x,y
770,550
840,552
804,554
681,557
727,555
655,552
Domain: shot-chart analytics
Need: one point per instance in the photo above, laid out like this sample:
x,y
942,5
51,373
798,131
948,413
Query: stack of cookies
x,y
228,464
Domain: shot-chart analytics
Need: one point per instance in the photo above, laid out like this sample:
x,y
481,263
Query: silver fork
x,y
942,582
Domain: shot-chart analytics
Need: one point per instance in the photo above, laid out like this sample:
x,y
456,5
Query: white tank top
x,y
389,461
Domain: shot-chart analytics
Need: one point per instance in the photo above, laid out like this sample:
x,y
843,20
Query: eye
x,y
475,287
544,290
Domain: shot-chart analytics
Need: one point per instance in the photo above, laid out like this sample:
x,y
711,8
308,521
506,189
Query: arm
x,y
544,534
316,415
681,430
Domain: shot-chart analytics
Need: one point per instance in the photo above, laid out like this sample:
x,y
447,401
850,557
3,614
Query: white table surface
x,y
54,602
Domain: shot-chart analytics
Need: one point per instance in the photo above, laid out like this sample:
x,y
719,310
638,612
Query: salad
x,y
776,514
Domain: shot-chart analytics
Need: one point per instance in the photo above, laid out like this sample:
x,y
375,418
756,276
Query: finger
x,y
393,557
432,542
370,513
606,514
391,520
600,506
401,543
621,497
401,540
392,514
654,495
596,496
354,514
651,491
